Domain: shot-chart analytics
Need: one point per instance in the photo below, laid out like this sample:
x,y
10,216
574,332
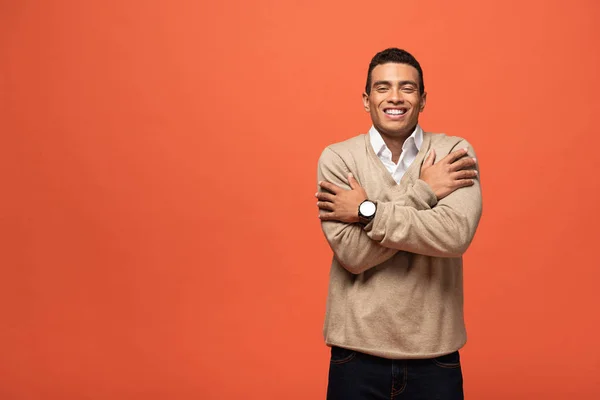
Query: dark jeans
x,y
358,376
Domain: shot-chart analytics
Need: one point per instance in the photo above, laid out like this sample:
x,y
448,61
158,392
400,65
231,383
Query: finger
x,y
330,187
455,155
325,205
465,162
324,196
464,183
429,160
464,174
353,182
327,216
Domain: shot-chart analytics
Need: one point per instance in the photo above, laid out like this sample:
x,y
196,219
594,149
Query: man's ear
x,y
366,104
423,101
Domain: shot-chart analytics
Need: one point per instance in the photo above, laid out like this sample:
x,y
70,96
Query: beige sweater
x,y
396,285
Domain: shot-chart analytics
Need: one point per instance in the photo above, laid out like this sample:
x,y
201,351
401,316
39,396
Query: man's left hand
x,y
340,204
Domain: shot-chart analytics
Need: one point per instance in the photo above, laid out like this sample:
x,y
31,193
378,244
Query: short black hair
x,y
397,56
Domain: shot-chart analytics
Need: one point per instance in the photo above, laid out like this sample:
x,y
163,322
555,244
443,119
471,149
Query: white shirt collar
x,y
379,145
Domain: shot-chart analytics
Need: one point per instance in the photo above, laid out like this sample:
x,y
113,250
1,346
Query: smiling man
x,y
399,207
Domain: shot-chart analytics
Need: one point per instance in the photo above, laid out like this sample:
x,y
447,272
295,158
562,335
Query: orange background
x,y
160,237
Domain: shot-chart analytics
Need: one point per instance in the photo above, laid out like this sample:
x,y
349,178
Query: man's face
x,y
395,101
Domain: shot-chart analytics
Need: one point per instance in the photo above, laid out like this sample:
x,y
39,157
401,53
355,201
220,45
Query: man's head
x,y
395,92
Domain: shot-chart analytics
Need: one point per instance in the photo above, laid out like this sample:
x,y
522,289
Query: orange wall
x,y
160,237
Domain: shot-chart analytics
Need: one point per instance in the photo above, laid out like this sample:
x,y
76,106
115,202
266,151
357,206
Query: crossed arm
x,y
431,217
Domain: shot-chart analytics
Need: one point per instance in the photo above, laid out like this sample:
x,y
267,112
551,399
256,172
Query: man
x,y
399,207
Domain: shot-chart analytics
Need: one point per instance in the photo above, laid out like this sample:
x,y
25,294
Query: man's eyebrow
x,y
387,83
401,83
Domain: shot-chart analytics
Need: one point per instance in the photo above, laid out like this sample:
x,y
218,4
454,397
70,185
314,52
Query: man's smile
x,y
395,113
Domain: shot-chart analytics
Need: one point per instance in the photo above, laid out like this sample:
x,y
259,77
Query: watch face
x,y
367,208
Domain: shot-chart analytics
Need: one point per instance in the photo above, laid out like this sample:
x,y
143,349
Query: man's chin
x,y
396,130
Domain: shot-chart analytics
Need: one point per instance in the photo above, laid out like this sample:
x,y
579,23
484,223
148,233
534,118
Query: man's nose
x,y
395,96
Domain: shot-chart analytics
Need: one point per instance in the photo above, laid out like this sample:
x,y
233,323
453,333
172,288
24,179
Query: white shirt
x,y
410,149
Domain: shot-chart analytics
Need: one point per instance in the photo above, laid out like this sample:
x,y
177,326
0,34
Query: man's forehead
x,y
394,71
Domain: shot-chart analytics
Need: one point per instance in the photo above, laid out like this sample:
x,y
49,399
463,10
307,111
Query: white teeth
x,y
395,112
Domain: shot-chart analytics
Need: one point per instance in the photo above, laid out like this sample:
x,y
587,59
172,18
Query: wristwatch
x,y
366,211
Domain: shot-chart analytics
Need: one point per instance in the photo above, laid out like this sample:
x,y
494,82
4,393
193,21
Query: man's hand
x,y
340,204
452,172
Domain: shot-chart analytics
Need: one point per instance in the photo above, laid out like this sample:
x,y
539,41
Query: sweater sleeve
x,y
444,231
351,245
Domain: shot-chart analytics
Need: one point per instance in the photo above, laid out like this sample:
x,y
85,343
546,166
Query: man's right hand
x,y
452,172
